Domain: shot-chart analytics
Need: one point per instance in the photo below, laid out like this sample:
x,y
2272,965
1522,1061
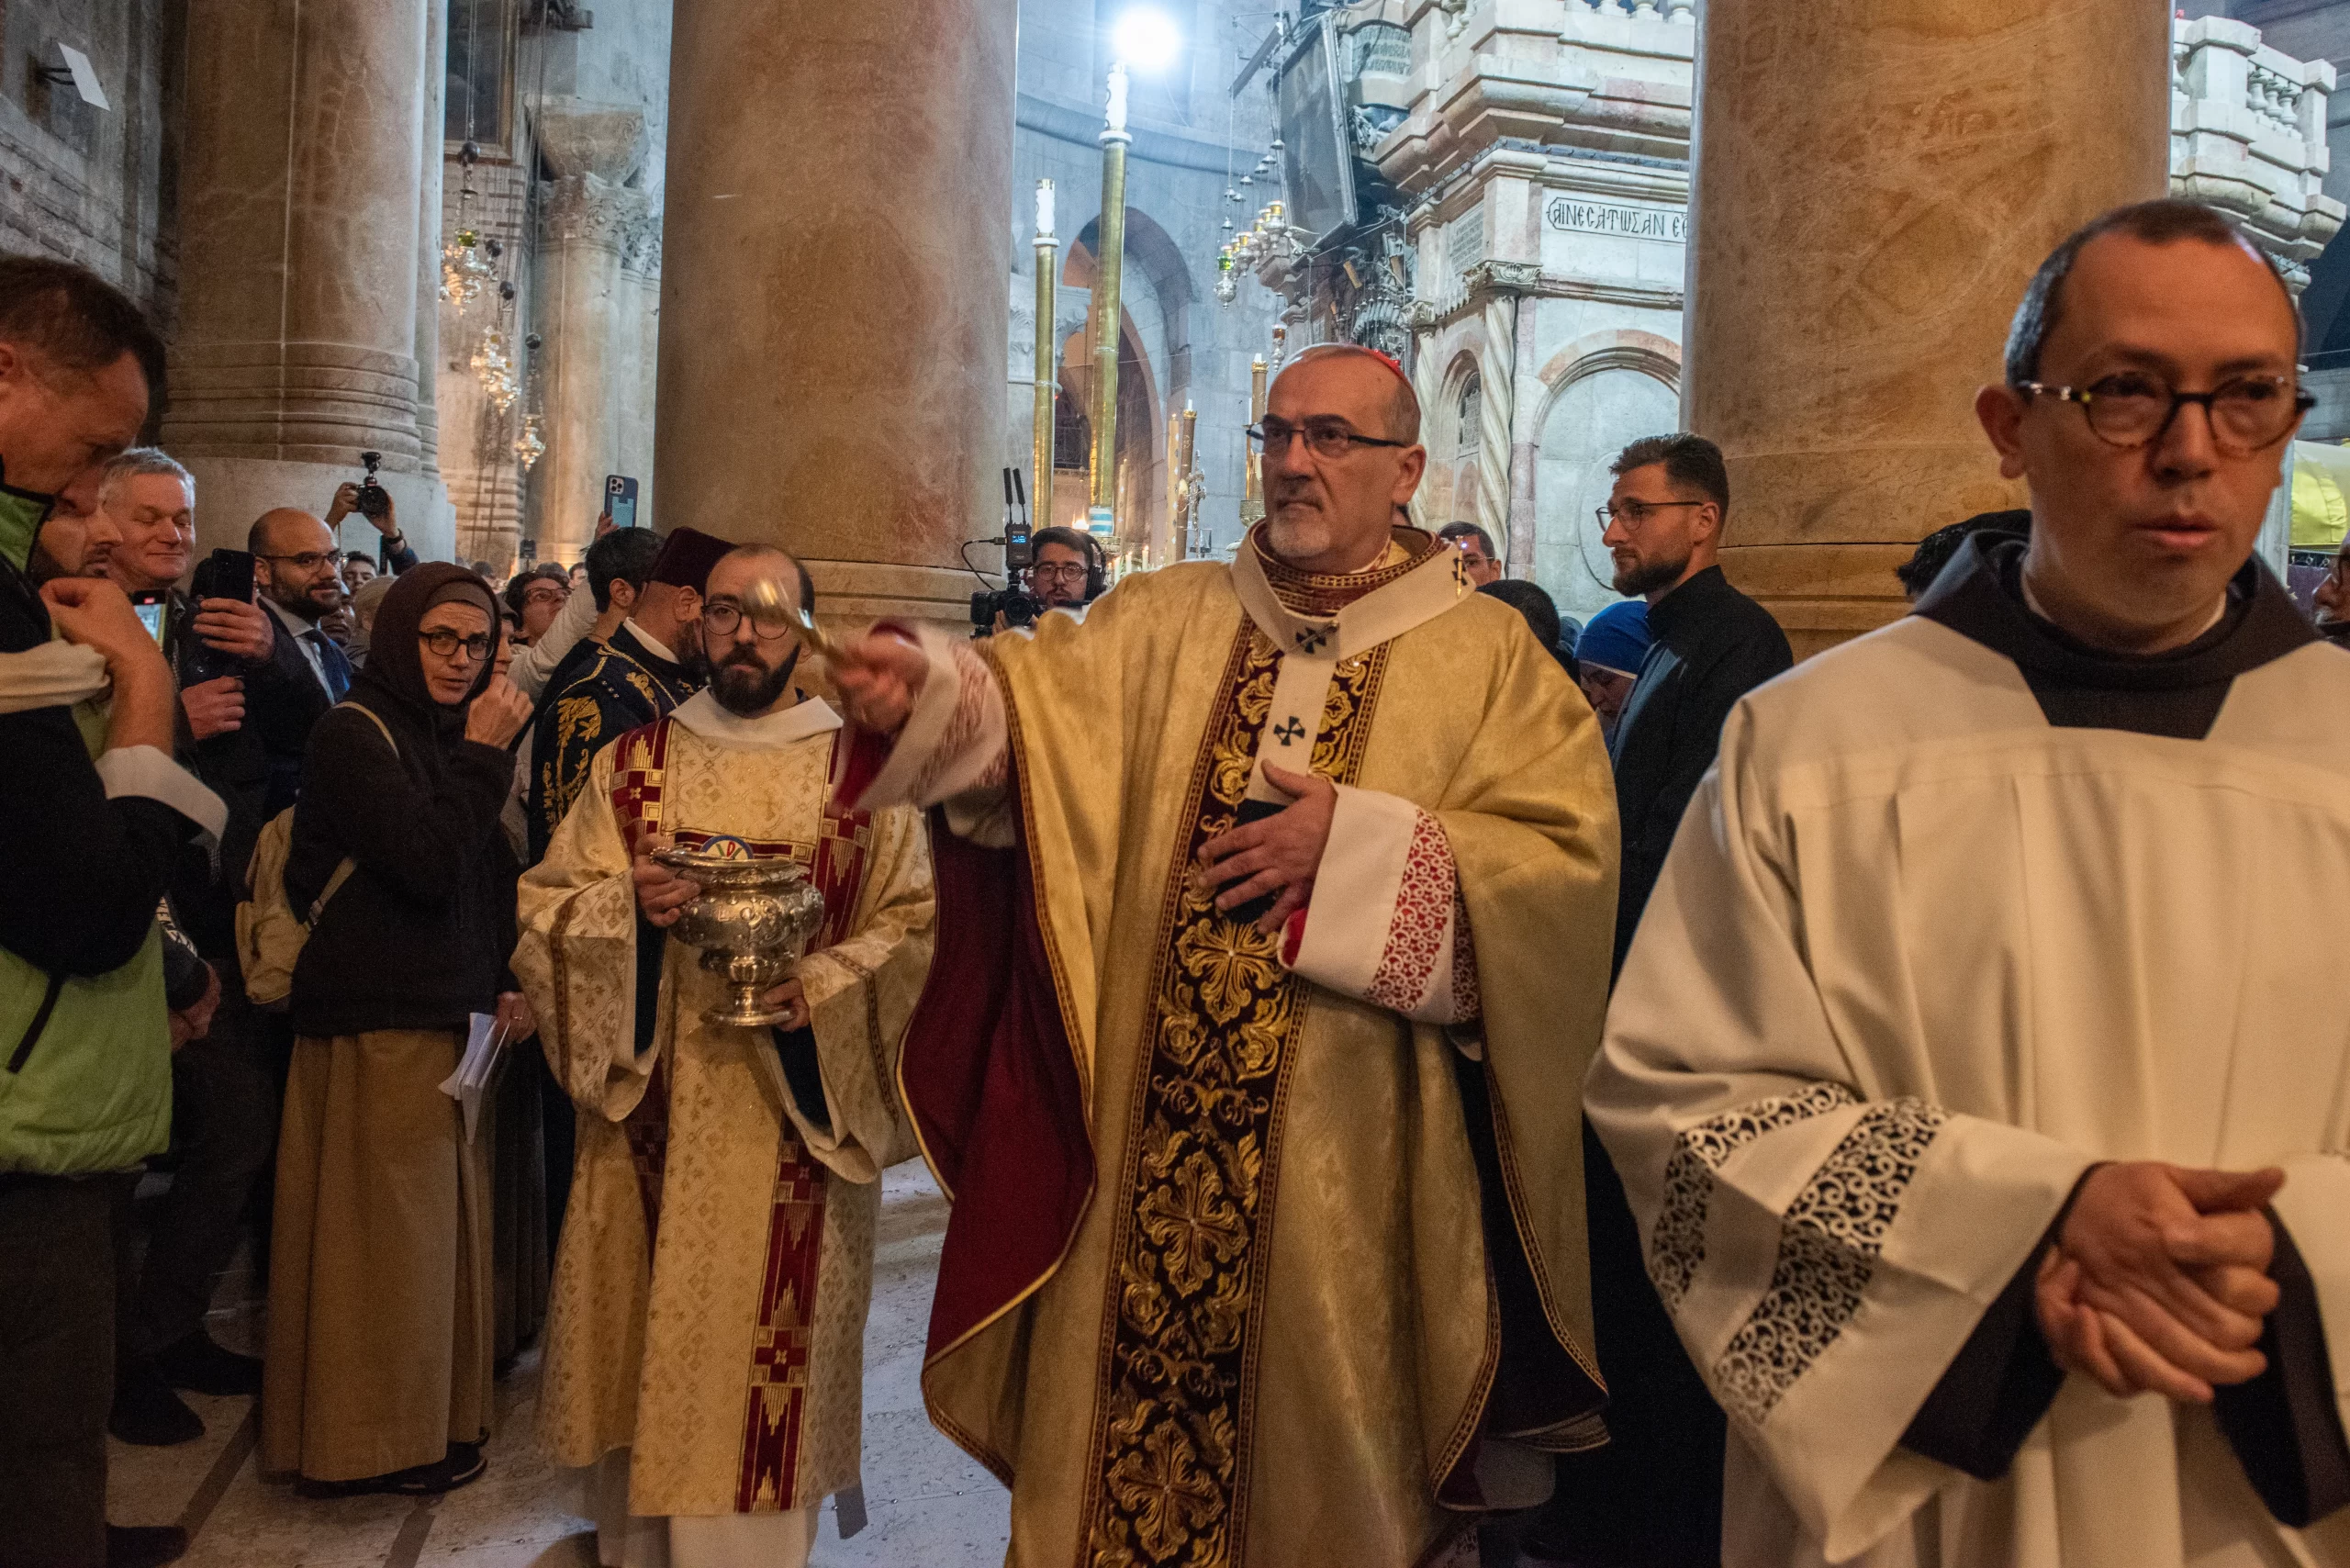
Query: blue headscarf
x,y
1616,638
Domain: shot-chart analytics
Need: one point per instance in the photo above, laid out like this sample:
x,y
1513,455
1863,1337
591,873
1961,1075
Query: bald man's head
x,y
1384,378
294,561
1341,454
286,531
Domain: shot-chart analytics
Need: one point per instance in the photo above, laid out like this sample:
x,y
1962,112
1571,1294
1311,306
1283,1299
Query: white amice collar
x,y
707,717
653,644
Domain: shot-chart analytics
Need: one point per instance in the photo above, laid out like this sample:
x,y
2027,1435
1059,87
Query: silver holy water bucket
x,y
753,920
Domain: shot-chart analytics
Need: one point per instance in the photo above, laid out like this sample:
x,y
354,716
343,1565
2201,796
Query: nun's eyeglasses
x,y
445,645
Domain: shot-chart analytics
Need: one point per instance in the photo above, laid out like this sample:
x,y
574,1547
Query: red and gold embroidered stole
x,y
778,1374
1174,1411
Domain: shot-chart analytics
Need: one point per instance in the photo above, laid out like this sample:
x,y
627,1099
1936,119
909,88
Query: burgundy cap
x,y
687,557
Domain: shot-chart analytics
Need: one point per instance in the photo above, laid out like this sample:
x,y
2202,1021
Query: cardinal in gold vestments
x,y
705,1338
1267,1246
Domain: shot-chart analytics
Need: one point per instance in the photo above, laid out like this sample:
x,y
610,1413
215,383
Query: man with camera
x,y
1063,574
372,501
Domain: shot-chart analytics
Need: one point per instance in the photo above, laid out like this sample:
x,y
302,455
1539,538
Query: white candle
x,y
1118,96
1044,209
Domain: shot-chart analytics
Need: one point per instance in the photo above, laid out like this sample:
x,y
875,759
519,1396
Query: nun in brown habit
x,y
378,1360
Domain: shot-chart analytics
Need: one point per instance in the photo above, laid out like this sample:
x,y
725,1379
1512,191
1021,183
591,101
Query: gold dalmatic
x,y
1175,1408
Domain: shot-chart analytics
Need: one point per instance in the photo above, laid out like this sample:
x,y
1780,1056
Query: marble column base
x,y
230,492
319,402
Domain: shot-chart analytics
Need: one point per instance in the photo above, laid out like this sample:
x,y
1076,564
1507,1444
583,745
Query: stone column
x,y
1518,549
431,140
586,226
1427,384
834,322
430,157
299,191
1501,284
1875,181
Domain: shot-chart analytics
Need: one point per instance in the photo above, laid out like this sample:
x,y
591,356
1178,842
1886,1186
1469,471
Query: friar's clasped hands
x,y
2158,1282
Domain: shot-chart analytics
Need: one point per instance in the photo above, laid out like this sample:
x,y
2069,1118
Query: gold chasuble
x,y
711,1286
1267,1250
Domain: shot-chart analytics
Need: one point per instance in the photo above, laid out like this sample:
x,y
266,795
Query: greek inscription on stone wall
x,y
1626,222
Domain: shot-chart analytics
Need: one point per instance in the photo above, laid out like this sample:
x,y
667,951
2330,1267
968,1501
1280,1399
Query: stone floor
x,y
928,1505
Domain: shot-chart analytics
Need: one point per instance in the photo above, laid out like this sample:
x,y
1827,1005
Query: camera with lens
x,y
373,500
1016,605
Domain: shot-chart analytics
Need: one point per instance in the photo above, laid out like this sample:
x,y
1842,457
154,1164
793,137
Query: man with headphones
x,y
1067,573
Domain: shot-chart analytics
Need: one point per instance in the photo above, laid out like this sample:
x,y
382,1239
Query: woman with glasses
x,y
378,1375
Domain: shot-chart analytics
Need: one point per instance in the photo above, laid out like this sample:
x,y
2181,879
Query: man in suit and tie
x,y
299,572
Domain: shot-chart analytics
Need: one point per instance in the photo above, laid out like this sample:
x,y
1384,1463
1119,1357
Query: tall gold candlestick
x,y
1252,483
1040,482
1108,265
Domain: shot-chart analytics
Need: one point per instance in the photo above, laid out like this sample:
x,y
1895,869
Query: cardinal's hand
x,y
1281,853
879,676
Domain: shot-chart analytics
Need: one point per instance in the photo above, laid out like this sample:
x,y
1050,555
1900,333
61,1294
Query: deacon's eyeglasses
x,y
308,560
1632,513
446,644
1324,438
2135,408
723,619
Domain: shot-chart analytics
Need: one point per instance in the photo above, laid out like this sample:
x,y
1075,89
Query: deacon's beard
x,y
1638,581
747,689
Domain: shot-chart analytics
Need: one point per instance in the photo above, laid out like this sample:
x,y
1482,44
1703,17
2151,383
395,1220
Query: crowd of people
x,y
1396,1055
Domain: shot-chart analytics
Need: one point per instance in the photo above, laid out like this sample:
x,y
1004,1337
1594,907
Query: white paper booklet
x,y
471,1081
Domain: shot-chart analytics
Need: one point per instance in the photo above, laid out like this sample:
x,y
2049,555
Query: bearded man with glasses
x,y
1274,922
1984,1116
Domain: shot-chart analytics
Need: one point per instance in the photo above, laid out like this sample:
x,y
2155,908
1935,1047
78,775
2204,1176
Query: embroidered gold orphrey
x,y
1168,1475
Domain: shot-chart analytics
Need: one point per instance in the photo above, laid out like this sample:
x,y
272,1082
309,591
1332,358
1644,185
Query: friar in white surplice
x,y
705,1338
1988,996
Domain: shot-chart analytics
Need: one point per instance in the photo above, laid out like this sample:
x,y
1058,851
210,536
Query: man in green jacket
x,y
84,852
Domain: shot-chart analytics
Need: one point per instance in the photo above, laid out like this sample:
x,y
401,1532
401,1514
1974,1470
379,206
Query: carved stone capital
x,y
582,207
576,137
641,252
1503,277
1424,315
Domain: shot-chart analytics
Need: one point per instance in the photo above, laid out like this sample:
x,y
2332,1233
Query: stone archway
x,y
1602,393
1449,430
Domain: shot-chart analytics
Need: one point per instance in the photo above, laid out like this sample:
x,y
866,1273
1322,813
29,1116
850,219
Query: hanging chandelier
x,y
529,447
1269,239
495,369
465,271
